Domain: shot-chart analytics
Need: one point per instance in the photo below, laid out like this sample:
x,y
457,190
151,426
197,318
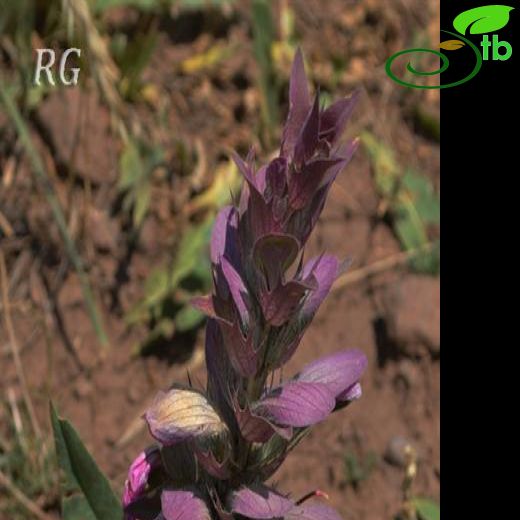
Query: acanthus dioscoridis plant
x,y
216,449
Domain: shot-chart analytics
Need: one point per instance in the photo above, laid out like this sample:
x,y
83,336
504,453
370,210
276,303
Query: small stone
x,y
149,240
135,395
83,388
395,452
92,155
70,293
413,309
407,373
101,229
357,67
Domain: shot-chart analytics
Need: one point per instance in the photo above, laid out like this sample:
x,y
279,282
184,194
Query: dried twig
x,y
408,509
15,412
22,499
5,226
14,347
390,262
133,430
20,306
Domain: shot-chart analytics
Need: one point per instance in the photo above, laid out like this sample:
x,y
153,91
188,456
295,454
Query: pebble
x,y
395,451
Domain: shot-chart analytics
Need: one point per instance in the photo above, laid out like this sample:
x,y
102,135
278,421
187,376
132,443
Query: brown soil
x,y
392,317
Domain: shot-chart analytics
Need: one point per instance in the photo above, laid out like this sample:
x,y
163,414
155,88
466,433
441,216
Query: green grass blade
x,y
43,180
83,475
264,34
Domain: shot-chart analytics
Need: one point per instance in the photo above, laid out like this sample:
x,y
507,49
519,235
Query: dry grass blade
x,y
44,182
20,497
5,226
14,347
390,262
104,70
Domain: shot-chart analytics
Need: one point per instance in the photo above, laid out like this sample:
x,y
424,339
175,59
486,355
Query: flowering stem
x,y
255,385
244,426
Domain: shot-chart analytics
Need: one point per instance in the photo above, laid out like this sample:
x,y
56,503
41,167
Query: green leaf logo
x,y
481,20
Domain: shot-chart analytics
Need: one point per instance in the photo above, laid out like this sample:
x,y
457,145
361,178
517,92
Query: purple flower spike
x,y
339,372
183,505
218,447
260,502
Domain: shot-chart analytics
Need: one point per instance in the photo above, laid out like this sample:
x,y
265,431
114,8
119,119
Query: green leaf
x,y
134,59
202,271
150,5
411,201
264,36
69,482
142,203
193,244
411,228
188,318
426,509
191,260
130,166
356,470
138,313
76,507
103,5
481,20
163,330
136,164
199,4
206,60
386,169
156,286
427,122
82,474
424,197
